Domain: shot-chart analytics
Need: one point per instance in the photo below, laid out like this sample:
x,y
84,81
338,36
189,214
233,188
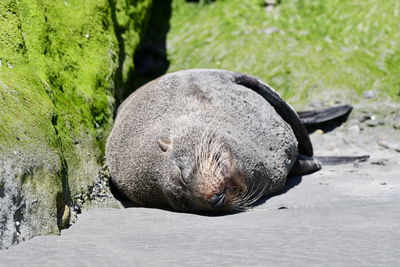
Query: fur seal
x,y
205,140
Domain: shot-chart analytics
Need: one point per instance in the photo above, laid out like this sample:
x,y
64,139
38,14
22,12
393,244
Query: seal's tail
x,y
325,119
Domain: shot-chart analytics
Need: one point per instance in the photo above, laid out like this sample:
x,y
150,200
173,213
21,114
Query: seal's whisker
x,y
260,194
247,194
249,201
242,195
254,197
236,197
243,198
203,145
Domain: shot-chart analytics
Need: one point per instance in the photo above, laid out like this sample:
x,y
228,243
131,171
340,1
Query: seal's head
x,y
205,176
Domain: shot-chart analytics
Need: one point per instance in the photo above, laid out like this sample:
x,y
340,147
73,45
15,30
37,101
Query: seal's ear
x,y
165,144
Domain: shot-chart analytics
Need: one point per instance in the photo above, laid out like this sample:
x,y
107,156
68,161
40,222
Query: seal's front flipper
x,y
342,160
305,165
325,119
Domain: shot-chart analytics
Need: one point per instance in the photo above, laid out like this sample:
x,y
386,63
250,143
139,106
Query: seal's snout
x,y
218,200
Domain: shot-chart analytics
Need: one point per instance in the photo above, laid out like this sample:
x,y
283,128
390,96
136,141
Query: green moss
x,y
66,52
59,64
301,47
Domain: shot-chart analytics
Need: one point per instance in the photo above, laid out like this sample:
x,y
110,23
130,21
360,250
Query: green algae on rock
x,y
59,65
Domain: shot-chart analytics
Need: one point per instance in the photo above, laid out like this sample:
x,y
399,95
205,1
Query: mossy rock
x,y
60,65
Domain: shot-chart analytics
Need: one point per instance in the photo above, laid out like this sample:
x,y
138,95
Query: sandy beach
x,y
343,215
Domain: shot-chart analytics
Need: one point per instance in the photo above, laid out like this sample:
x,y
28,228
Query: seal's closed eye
x,y
165,144
184,178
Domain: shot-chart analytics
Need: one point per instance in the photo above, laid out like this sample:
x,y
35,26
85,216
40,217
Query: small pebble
x,y
283,208
354,129
365,118
383,183
369,94
270,30
77,209
388,145
381,162
371,123
384,144
269,5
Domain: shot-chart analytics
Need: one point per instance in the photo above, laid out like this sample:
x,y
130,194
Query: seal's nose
x,y
217,200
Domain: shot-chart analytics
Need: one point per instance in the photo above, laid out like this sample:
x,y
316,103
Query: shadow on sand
x,y
290,183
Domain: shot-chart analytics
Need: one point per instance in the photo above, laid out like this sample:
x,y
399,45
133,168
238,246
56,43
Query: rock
x,y
64,222
372,124
270,4
57,82
370,120
369,94
381,162
270,30
388,145
365,117
77,209
384,144
354,130
396,121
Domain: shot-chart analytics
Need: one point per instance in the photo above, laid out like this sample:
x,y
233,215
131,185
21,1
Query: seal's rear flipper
x,y
342,160
308,165
305,165
281,107
325,119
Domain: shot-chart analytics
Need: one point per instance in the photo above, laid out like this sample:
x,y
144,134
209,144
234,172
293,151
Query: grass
x,y
301,48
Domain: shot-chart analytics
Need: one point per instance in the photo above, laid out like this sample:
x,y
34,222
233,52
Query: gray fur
x,y
161,126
